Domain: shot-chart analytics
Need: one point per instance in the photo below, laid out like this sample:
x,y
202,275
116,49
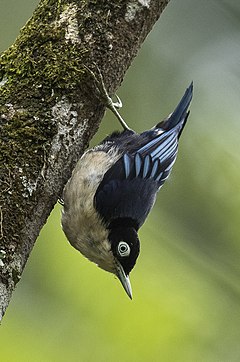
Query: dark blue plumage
x,y
128,189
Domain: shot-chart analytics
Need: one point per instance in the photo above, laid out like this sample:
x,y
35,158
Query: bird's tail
x,y
180,114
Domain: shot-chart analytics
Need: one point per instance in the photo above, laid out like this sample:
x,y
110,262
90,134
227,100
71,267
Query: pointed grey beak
x,y
124,279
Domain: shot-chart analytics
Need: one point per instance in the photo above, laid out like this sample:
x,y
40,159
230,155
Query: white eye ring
x,y
123,249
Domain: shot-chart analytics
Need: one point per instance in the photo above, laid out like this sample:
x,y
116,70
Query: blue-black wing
x,y
128,189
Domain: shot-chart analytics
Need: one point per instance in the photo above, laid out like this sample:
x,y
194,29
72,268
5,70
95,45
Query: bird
x,y
114,187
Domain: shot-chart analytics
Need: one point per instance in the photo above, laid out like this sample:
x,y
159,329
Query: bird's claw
x,y
117,104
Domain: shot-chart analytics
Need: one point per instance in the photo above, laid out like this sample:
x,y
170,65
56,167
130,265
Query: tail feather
x,y
180,114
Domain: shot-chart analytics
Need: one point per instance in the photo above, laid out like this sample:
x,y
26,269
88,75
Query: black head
x,y
125,247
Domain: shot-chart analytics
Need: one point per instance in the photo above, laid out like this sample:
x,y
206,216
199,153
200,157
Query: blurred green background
x,y
186,293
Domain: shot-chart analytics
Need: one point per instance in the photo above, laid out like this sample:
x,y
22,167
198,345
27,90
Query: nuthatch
x,y
113,188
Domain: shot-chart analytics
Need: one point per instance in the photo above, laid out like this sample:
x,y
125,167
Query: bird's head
x,y
125,247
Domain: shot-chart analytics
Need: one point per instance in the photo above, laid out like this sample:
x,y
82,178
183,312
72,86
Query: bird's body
x,y
113,188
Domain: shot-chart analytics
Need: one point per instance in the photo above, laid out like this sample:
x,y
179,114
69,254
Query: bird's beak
x,y
124,279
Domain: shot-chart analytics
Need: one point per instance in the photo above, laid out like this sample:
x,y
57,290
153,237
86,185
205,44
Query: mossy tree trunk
x,y
49,111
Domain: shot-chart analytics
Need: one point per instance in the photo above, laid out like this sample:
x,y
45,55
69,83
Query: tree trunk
x,y
49,108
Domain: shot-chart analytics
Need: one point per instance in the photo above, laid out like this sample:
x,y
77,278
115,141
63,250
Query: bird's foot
x,y
105,98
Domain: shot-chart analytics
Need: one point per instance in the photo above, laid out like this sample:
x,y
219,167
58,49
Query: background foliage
x,y
186,304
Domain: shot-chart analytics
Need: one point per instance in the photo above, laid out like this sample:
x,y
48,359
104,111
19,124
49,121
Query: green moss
x,y
41,57
41,64
37,70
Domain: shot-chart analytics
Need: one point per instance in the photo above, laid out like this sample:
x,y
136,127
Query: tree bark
x,y
49,108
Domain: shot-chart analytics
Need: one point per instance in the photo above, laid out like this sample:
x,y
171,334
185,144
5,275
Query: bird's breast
x,y
80,220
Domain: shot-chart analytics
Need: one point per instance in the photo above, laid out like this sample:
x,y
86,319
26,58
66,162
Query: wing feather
x,y
127,164
128,189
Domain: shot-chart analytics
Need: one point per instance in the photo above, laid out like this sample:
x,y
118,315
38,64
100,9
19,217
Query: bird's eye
x,y
123,248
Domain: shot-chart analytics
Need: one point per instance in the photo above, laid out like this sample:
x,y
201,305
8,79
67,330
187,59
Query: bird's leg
x,y
106,99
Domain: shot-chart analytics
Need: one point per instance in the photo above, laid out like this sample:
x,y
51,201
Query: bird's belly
x,y
80,221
